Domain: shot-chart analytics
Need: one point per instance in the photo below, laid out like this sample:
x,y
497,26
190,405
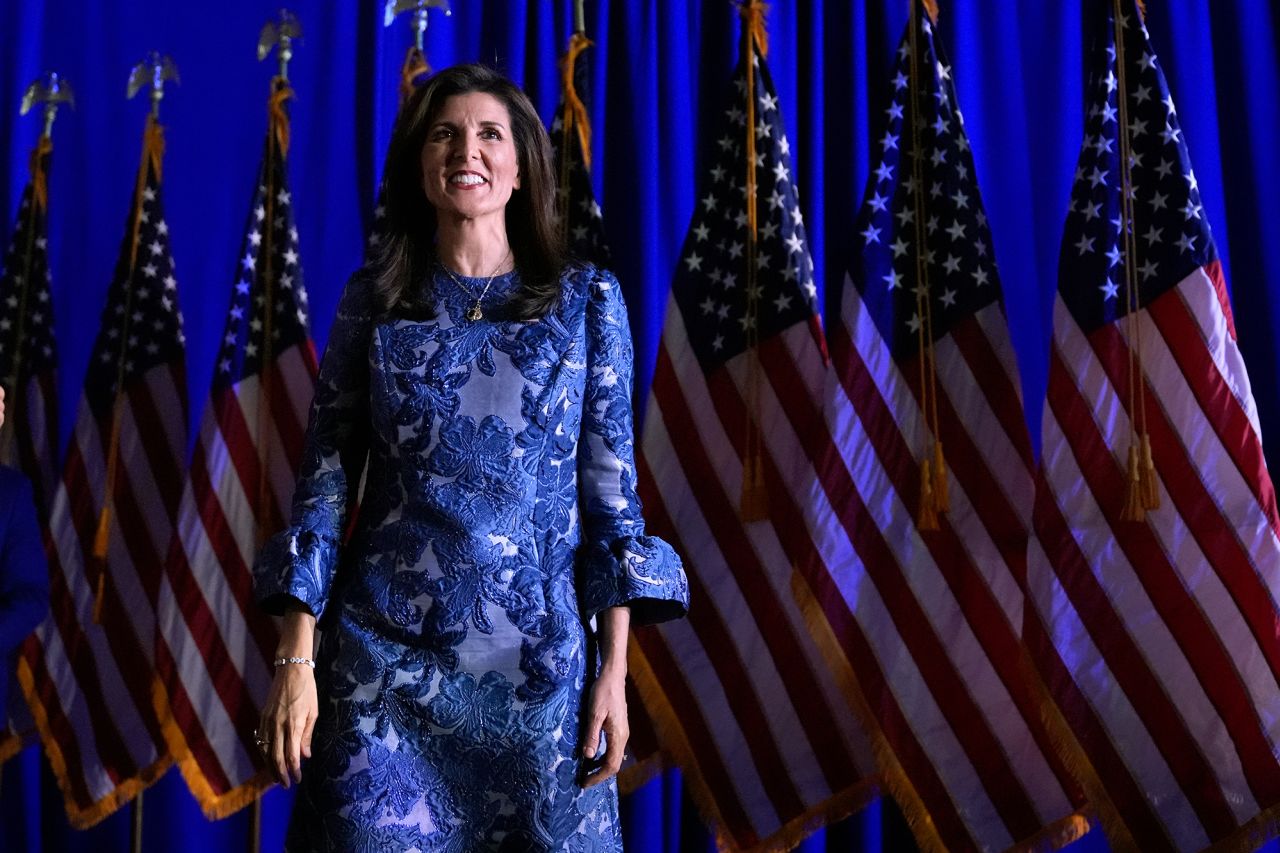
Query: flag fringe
x,y
83,818
672,738
215,806
1056,835
892,776
1263,827
11,745
1100,809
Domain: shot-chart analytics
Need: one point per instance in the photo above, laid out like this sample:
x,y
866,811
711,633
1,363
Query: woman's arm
x,y
296,568
289,714
607,702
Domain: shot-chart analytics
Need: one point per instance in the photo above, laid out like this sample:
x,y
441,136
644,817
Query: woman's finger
x,y
592,740
306,736
278,766
293,751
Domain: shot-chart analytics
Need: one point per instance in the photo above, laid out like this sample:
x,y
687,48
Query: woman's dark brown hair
x,y
404,265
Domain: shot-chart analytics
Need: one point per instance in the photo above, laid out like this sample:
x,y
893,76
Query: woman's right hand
x,y
292,706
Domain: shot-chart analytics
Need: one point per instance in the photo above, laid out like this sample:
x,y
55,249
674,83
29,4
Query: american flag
x,y
413,73
583,224
929,620
28,355
88,670
579,213
28,366
215,647
740,692
1157,636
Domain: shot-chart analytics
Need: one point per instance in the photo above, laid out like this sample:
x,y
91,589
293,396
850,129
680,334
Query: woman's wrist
x,y
297,635
614,626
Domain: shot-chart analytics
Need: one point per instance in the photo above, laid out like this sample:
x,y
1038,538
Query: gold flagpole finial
x,y
283,33
395,8
51,90
152,73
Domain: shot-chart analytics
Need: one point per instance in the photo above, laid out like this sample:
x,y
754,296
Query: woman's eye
x,y
490,133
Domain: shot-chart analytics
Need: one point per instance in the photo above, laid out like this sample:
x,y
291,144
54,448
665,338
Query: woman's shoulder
x,y
582,279
360,293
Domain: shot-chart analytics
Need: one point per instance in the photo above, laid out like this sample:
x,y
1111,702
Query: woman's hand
x,y
292,706
607,701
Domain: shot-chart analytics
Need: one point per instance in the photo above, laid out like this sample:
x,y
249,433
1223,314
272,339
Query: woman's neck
x,y
474,248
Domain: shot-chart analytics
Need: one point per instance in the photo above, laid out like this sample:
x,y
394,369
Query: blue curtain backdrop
x,y
657,70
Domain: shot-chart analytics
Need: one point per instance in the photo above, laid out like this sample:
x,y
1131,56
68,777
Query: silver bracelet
x,y
282,661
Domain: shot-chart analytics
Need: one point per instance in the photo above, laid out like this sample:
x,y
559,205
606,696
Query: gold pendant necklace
x,y
476,312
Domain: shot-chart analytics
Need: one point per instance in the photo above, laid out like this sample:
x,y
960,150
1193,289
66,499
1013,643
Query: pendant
x,y
474,313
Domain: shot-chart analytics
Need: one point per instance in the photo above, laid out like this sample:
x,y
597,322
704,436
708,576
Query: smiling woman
x,y
468,692
469,166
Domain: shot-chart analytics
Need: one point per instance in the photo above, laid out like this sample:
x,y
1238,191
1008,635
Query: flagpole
x,y
51,90
153,73
279,36
135,829
753,500
415,60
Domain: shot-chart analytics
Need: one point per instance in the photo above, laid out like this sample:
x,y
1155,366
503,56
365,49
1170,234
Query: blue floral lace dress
x,y
499,516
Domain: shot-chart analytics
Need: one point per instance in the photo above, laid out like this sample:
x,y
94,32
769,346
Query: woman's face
x,y
469,161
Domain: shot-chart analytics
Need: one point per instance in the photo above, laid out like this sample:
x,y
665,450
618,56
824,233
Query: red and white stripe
x,y
1159,637
765,726
929,622
215,647
89,684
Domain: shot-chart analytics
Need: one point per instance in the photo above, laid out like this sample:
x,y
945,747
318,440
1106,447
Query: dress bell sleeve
x,y
618,564
298,564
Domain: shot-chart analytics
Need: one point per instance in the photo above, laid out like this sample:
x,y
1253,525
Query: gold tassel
x,y
415,65
927,519
1150,491
754,505
277,115
941,487
575,111
1133,505
103,534
97,596
931,7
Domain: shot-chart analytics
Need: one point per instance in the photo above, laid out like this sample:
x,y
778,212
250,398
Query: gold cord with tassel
x,y
935,495
1142,491
754,504
152,160
278,137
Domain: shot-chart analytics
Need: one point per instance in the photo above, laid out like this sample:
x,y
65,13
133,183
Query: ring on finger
x,y
264,743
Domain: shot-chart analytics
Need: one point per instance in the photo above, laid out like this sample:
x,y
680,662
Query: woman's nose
x,y
464,149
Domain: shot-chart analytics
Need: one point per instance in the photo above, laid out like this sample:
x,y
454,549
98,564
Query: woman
x,y
463,700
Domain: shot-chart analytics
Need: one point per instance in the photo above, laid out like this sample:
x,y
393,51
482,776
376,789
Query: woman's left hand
x,y
607,703
607,710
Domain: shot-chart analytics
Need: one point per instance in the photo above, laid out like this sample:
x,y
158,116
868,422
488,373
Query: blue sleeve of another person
x,y
24,574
